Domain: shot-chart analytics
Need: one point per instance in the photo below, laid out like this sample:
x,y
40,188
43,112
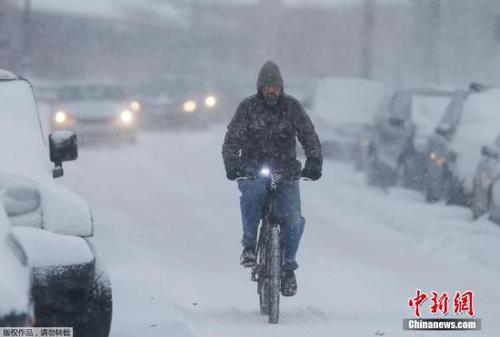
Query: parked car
x,y
52,224
487,174
454,151
343,110
16,305
396,150
95,111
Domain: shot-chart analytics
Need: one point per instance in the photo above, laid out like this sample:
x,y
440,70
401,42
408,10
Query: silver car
x,y
95,111
487,174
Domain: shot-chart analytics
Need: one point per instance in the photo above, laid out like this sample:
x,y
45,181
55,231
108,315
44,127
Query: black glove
x,y
312,168
234,172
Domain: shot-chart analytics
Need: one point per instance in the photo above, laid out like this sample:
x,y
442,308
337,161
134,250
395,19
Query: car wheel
x,y
87,309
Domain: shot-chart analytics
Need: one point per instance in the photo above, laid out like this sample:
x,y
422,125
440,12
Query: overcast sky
x,y
116,8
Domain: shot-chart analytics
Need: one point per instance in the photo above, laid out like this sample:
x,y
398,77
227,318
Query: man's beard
x,y
271,99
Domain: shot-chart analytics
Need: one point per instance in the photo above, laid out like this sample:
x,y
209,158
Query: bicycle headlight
x,y
265,172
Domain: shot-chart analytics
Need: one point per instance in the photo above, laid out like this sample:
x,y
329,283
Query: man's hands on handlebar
x,y
311,171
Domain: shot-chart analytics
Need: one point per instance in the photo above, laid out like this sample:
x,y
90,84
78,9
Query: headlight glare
x,y
265,172
60,117
440,161
126,117
210,101
189,106
135,106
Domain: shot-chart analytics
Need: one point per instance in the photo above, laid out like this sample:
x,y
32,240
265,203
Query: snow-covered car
x,y
95,111
487,174
396,150
16,306
454,151
52,224
343,110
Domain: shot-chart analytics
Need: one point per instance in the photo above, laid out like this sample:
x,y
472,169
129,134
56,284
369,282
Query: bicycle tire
x,y
274,274
262,280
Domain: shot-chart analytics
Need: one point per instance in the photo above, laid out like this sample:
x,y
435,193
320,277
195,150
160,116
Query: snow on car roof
x,y
6,75
347,100
479,126
21,141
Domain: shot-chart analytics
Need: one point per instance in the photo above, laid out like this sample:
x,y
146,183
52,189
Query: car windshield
x,y
91,92
453,113
427,111
22,147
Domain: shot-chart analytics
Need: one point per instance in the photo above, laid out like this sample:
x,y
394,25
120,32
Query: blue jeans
x,y
253,195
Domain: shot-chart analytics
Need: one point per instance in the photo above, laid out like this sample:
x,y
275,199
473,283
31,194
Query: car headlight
x,y
210,101
60,117
440,161
485,180
189,106
126,117
135,106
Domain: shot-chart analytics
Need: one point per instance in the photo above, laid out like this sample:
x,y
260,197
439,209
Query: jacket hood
x,y
269,74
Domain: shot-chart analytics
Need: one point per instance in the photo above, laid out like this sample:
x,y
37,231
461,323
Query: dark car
x,y
487,174
53,225
454,150
397,143
176,102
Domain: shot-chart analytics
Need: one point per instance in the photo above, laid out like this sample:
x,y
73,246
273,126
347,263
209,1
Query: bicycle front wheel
x,y
275,274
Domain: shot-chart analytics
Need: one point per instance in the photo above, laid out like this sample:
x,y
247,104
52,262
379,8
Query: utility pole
x,y
26,57
433,40
367,35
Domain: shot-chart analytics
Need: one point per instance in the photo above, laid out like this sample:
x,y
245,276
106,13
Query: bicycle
x,y
267,271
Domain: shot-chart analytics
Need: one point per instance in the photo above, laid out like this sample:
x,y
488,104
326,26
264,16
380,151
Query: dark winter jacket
x,y
260,133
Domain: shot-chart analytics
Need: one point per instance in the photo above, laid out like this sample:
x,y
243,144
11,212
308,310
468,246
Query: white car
x,y
53,224
95,111
16,306
343,111
455,150
397,145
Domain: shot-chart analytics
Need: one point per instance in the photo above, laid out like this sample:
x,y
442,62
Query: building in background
x,y
436,42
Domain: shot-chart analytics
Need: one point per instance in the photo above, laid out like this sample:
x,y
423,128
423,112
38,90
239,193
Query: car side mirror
x,y
443,131
489,152
63,146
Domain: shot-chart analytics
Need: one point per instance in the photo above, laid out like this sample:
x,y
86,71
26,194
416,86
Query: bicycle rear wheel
x,y
274,274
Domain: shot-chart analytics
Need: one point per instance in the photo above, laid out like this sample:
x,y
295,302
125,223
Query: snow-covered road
x,y
168,229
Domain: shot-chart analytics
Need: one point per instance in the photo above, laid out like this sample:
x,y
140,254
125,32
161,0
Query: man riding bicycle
x,y
263,131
